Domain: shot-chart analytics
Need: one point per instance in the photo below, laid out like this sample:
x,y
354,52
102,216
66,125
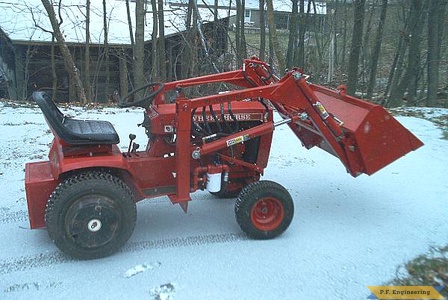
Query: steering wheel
x,y
146,100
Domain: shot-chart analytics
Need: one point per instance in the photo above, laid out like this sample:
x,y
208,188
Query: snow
x,y
347,233
140,268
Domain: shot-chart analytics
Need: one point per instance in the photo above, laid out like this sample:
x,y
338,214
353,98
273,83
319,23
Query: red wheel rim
x,y
267,214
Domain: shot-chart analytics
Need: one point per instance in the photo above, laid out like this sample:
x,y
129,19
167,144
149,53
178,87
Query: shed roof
x,y
21,20
278,5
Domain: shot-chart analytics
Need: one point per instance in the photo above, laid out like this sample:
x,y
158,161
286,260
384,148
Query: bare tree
x,y
106,51
87,54
128,13
436,12
54,77
161,42
70,65
299,56
396,67
344,34
262,29
187,50
215,24
333,49
139,47
355,51
240,38
293,28
154,41
376,50
332,52
274,38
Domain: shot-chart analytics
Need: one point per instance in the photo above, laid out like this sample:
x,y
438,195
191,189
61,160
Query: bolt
x,y
196,154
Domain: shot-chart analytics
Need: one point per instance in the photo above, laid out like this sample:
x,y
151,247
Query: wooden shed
x,y
30,60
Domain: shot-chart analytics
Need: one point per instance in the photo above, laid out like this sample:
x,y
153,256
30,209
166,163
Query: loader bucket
x,y
375,137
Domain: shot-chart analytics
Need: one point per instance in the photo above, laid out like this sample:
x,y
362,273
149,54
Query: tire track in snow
x,y
185,241
12,217
25,263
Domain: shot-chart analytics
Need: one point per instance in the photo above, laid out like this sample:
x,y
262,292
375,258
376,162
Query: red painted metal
x,y
364,136
267,213
39,184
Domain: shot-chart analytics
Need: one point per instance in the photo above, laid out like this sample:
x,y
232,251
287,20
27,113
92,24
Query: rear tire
x,y
264,209
91,215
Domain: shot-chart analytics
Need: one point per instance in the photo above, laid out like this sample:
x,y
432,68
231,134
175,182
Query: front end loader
x,y
85,194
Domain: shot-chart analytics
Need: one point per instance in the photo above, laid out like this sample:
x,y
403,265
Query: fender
x,y
64,159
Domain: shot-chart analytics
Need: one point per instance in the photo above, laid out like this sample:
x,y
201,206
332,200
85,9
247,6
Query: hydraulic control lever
x,y
135,147
131,139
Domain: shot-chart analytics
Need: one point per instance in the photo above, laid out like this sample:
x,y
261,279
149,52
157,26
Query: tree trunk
x,y
299,60
237,31
435,13
271,49
19,74
331,59
376,50
128,12
215,37
139,49
70,65
194,63
154,41
106,53
262,30
356,45
243,44
54,76
335,22
123,67
319,44
240,39
365,54
161,43
273,34
293,28
344,36
186,55
87,55
396,69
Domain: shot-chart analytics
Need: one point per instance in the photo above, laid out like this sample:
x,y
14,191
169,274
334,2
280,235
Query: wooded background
x,y
391,51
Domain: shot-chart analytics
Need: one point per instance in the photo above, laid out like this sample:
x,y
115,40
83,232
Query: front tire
x,y
91,215
264,209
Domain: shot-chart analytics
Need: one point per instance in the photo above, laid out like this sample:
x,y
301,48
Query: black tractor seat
x,y
73,131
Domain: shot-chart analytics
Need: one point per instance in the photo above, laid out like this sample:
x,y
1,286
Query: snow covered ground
x,y
347,233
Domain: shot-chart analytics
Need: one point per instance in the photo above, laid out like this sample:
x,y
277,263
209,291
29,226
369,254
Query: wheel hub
x,y
94,225
267,213
92,221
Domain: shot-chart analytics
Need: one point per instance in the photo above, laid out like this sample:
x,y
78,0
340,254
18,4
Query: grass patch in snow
x,y
427,269
438,116
445,134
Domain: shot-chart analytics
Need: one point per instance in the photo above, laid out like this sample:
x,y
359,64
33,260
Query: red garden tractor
x,y
86,193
